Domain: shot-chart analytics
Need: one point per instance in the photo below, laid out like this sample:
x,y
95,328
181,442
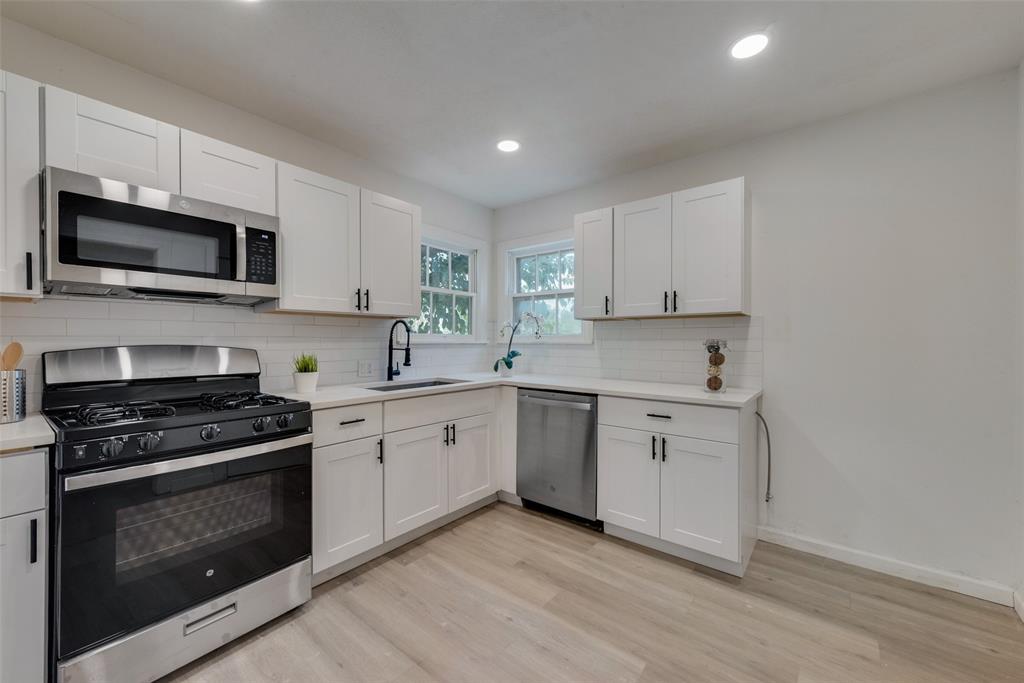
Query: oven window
x,y
134,552
109,234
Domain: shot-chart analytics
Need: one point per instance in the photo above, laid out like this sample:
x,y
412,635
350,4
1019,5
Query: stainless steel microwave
x,y
108,238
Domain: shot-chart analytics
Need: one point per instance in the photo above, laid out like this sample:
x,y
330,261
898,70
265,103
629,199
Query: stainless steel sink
x,y
414,384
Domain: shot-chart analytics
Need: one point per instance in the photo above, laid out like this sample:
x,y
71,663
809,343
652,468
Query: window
x,y
543,282
447,292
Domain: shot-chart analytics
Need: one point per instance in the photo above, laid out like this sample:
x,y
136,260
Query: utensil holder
x,y
12,396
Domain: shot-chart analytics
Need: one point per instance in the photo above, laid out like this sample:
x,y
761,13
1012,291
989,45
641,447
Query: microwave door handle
x,y
241,267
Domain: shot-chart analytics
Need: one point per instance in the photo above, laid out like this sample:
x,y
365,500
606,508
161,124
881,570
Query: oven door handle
x,y
79,482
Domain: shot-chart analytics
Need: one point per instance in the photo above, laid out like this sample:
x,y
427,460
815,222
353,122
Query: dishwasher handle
x,y
572,405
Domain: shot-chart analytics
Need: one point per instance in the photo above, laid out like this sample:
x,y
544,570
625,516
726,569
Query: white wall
x,y
44,58
884,271
1019,598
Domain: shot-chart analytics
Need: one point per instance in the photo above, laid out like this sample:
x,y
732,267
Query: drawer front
x,y
677,419
22,482
335,425
414,412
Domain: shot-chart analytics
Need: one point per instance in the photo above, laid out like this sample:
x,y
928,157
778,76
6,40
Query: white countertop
x,y
34,430
353,394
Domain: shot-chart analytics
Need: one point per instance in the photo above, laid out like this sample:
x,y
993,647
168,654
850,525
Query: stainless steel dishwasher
x,y
556,453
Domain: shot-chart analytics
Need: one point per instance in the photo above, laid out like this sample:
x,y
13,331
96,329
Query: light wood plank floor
x,y
510,595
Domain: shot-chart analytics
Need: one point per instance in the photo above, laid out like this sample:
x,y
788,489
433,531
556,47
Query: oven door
x,y
141,543
106,232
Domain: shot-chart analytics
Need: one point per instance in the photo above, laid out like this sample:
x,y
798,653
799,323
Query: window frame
x,y
536,246
476,293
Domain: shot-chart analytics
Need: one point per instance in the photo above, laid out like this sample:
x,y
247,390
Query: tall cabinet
x,y
684,253
19,187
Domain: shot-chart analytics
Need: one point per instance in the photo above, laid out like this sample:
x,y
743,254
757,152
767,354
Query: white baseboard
x,y
978,588
1018,604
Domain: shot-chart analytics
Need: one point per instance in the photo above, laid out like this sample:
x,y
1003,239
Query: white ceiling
x,y
591,89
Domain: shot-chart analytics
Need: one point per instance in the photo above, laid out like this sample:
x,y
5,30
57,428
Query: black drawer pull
x,y
367,299
446,435
380,456
28,270
359,299
675,301
351,422
654,447
453,433
33,541
663,417
663,449
666,301
606,302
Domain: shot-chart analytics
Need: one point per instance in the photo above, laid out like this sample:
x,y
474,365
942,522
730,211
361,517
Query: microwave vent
x,y
88,290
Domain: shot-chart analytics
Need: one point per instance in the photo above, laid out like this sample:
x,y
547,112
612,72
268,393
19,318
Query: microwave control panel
x,y
261,256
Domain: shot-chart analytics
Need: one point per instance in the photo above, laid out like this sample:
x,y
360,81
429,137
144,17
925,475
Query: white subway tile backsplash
x,y
130,310
18,327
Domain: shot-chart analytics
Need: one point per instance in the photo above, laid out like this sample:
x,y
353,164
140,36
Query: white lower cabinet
x,y
699,496
415,478
628,478
348,500
471,473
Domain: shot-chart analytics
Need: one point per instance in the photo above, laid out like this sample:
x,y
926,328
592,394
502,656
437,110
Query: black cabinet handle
x,y
663,449
663,417
33,541
606,309
351,422
380,455
675,301
367,299
359,299
654,447
453,433
28,270
446,435
666,301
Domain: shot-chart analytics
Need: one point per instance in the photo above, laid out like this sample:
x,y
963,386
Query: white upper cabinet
x,y
390,267
643,257
92,137
348,500
700,496
593,250
471,467
319,228
19,186
709,251
218,172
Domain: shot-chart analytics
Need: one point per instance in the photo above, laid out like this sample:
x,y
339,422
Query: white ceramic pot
x,y
305,382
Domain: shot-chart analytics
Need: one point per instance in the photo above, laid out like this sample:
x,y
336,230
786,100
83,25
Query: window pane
x,y
519,306
547,272
568,270
463,315
421,325
567,323
441,316
424,264
544,306
460,272
438,268
526,274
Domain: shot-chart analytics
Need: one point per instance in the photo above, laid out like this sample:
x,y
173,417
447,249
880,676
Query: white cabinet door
x,y
348,501
700,496
93,137
593,249
319,241
471,473
709,248
19,186
390,270
226,174
643,256
628,467
415,478
23,598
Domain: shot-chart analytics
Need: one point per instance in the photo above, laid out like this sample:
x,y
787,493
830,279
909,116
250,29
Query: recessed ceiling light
x,y
508,145
749,46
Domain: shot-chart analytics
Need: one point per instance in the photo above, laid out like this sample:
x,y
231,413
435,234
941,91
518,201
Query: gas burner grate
x,y
233,400
129,411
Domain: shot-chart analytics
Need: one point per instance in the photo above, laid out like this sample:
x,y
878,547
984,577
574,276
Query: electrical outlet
x,y
366,368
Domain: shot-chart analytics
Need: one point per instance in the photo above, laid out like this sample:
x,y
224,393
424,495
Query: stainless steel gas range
x,y
181,509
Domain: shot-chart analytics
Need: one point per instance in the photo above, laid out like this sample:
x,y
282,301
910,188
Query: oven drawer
x,y
22,482
678,419
348,423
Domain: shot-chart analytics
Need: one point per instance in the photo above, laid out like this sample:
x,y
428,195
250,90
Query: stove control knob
x,y
260,423
209,432
111,448
149,441
284,421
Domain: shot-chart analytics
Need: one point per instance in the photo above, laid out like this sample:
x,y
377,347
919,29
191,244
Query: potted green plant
x,y
504,364
307,372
